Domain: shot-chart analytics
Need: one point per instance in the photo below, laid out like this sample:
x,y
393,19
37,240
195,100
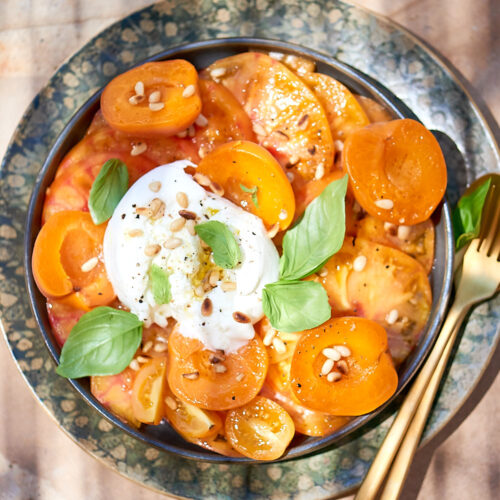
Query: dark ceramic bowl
x,y
201,54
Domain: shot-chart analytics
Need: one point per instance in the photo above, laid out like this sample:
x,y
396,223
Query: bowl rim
x,y
241,44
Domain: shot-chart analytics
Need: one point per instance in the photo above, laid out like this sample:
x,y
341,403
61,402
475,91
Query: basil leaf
x,y
221,240
293,306
253,192
160,285
466,217
318,234
103,342
107,190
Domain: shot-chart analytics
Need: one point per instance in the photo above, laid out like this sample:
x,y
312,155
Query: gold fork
x,y
478,281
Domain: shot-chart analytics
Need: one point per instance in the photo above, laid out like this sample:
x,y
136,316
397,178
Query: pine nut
x,y
182,134
139,88
172,243
331,353
323,272
201,120
191,131
239,377
156,106
190,227
283,214
214,277
152,250
182,199
359,263
403,232
342,367
343,350
177,224
389,227
147,346
320,172
327,366
269,336
333,376
228,286
138,148
216,188
220,368
134,365
154,96
240,317
290,176
155,186
202,180
217,72
170,402
273,231
191,376
392,316
187,214
279,345
135,99
384,204
142,359
89,265
188,91
160,347
206,307
157,208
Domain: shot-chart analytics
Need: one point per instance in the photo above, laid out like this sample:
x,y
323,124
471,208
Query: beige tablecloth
x,y
36,459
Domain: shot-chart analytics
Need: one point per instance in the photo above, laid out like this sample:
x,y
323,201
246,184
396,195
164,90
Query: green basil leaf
x,y
160,285
293,306
103,342
107,190
221,240
466,217
317,236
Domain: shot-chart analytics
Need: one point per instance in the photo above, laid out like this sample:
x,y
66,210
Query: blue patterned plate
x,y
348,33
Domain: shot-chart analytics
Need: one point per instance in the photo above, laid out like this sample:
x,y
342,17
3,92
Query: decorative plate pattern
x,y
371,44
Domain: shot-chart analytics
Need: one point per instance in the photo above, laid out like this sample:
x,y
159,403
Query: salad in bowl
x,y
242,252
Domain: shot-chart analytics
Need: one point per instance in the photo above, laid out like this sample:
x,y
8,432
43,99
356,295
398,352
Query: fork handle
x,y
383,460
411,440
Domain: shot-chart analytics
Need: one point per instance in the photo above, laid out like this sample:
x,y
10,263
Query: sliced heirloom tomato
x,y
416,241
260,429
365,376
386,286
174,83
286,116
115,393
280,345
243,166
148,391
64,315
308,422
193,375
343,111
66,259
374,111
397,170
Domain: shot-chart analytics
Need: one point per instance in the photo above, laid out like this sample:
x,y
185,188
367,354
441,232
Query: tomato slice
x,y
279,349
189,421
193,375
243,166
261,429
66,259
306,421
286,116
374,111
392,289
148,391
396,169
63,316
365,376
416,241
115,393
343,111
178,103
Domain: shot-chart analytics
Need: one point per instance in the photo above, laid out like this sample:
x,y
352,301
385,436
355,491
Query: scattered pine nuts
x,y
191,131
135,99
206,307
389,227
201,120
342,367
273,231
187,214
327,366
239,377
333,376
290,176
142,359
160,347
216,188
202,180
240,317
279,345
320,172
156,106
139,88
392,316
359,263
190,227
384,204
170,402
138,148
89,265
155,186
147,346
403,232
172,243
343,350
217,72
177,224
269,336
188,91
182,134
323,272
191,376
214,277
157,208
220,368
152,250
182,199
228,286
154,96
331,353
134,365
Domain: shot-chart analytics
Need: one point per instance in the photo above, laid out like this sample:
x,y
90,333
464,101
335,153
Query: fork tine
x,y
490,224
487,212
